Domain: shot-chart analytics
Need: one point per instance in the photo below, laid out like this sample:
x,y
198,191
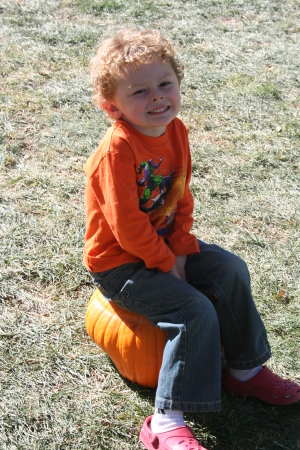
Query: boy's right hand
x,y
173,271
178,269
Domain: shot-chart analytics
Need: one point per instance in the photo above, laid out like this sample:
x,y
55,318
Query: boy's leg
x,y
224,278
190,376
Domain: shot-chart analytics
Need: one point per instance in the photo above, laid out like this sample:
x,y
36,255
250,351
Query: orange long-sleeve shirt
x,y
138,202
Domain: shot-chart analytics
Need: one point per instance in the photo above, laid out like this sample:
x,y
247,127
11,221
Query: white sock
x,y
166,420
244,375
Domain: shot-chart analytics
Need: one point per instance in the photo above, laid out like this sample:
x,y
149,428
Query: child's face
x,y
148,98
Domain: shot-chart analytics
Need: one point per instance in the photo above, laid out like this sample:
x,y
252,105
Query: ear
x,y
112,109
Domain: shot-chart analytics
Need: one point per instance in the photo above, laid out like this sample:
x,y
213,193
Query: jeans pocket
x,y
111,281
120,300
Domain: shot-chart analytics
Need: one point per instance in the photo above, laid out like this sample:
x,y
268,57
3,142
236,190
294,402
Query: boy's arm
x,y
115,188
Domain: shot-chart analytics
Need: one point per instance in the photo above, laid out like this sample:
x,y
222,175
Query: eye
x,y
165,83
140,91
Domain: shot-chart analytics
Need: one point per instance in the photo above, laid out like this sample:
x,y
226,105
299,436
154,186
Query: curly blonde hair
x,y
129,47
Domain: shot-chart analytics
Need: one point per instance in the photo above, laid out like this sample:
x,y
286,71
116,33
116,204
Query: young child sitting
x,y
142,255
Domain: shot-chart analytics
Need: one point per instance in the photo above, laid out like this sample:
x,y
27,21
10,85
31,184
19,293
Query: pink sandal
x,y
266,386
181,438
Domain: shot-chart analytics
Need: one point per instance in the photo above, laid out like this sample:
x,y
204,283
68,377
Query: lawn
x,y
241,102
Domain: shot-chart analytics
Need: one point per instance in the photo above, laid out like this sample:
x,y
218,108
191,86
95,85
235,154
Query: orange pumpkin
x,y
134,345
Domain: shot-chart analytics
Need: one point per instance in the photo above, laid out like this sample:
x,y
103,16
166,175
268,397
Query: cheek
x,y
137,109
176,96
177,100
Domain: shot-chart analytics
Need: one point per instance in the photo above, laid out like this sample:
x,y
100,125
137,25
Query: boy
x,y
142,255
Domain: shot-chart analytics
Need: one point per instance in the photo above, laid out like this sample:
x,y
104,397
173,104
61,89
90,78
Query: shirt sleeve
x,y
180,239
118,200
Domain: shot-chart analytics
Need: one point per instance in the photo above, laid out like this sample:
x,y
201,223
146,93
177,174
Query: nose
x,y
156,95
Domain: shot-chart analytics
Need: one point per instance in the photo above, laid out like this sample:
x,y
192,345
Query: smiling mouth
x,y
159,111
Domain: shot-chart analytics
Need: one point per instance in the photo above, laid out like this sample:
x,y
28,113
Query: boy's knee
x,y
203,314
235,266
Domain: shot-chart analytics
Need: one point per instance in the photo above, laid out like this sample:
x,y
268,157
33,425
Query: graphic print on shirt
x,y
159,194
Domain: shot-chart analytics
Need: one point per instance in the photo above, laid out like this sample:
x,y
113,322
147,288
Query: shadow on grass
x,y
242,424
245,423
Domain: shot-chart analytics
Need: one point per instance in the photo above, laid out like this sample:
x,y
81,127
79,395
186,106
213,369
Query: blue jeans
x,y
215,304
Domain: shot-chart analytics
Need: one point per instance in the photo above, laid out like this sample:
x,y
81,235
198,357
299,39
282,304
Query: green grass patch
x,y
98,7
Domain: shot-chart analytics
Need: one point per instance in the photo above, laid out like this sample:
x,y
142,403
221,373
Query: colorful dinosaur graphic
x,y
152,181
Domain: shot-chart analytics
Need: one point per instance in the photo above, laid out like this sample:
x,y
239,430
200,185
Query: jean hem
x,y
250,364
188,407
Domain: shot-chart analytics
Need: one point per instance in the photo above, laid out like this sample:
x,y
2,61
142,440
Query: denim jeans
x,y
214,304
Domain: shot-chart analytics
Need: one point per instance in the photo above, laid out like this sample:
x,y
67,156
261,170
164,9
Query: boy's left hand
x,y
180,265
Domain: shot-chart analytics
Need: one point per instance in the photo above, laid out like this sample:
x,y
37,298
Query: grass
x,y
240,100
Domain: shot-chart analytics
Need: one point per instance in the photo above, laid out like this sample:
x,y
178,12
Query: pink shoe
x,y
181,438
266,386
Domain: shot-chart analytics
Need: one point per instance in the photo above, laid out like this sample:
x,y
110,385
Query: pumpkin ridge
x,y
108,329
92,316
126,349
